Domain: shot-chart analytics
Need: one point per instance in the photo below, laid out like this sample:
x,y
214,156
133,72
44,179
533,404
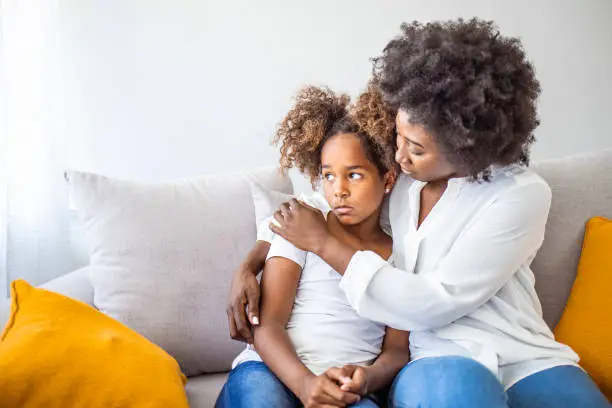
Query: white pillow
x,y
162,255
266,202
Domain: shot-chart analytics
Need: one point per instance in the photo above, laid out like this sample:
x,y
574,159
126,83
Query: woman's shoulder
x,y
518,183
515,176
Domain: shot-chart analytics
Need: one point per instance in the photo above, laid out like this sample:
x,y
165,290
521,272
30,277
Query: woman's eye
x,y
328,176
355,176
416,153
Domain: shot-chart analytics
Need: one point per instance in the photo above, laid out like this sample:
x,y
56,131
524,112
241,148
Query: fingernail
x,y
255,320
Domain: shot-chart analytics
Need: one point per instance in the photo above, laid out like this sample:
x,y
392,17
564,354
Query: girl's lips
x,y
343,210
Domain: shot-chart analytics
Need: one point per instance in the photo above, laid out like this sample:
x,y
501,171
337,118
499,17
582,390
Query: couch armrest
x,y
75,285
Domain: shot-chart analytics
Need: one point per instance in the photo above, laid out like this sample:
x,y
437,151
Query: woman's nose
x,y
402,157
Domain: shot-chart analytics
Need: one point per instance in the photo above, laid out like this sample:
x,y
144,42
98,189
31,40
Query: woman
x,y
467,218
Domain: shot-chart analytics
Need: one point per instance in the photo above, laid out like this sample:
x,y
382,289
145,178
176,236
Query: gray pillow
x,y
162,255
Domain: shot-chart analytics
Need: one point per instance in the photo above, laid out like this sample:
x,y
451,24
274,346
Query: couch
x,y
582,188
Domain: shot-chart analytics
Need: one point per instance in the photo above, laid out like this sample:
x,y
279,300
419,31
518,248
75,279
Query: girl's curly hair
x,y
319,114
471,87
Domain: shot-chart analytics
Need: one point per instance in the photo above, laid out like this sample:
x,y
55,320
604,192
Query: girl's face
x,y
353,186
417,153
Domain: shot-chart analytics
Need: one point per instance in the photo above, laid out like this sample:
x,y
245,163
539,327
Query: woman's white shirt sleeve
x,y
491,247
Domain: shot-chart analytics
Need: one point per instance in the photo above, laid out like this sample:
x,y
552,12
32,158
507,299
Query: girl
x,y
468,217
311,347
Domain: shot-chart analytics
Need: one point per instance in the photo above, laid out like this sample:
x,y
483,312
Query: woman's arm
x,y
244,290
483,258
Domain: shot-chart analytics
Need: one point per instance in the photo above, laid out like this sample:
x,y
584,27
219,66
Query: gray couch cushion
x,y
202,391
581,188
162,255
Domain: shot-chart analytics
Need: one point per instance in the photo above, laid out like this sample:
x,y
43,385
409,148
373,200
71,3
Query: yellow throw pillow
x,y
586,324
58,352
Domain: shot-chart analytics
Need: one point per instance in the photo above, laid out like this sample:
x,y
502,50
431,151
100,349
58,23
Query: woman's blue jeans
x,y
458,382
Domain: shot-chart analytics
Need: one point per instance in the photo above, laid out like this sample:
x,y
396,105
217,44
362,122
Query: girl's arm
x,y
394,356
279,285
366,380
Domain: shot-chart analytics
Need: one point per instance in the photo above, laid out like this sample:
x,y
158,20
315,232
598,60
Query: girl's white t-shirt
x,y
323,327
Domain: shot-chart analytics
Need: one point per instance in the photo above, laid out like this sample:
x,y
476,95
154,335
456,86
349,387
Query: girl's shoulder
x,y
316,200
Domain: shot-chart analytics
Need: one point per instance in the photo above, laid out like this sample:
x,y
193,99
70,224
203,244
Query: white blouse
x,y
462,282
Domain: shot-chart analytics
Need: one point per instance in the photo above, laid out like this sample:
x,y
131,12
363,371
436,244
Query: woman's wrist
x,y
335,252
256,258
323,242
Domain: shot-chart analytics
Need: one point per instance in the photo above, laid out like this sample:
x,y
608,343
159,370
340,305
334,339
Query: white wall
x,y
160,89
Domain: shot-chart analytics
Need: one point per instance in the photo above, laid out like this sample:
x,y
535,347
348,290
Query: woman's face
x,y
352,184
417,153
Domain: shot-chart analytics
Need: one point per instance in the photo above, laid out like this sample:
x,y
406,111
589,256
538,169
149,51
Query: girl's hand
x,y
302,225
323,391
353,379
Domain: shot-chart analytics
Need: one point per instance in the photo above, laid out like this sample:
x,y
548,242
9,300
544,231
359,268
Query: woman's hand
x,y
244,293
302,225
323,391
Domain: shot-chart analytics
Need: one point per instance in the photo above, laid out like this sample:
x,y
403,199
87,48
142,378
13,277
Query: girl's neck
x,y
368,229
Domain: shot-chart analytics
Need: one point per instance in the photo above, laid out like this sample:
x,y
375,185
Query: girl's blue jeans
x,y
437,382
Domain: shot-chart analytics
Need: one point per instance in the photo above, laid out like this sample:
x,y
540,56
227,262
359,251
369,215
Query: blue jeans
x,y
458,382
252,385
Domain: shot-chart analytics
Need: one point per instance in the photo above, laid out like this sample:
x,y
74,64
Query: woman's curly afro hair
x,y
471,87
319,114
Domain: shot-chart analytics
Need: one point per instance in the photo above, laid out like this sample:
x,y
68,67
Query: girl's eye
x,y
328,176
355,176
